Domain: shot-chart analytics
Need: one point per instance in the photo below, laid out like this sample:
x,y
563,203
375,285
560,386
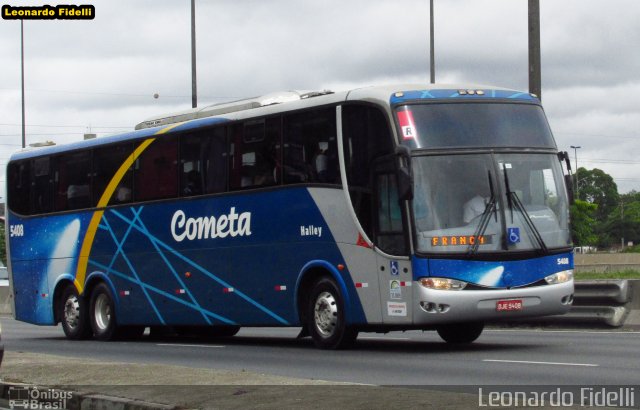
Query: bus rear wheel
x,y
326,317
459,333
102,313
72,312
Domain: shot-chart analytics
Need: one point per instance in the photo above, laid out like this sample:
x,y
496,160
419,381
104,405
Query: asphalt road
x,y
498,357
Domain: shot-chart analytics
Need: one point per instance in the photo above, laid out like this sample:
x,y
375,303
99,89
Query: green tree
x,y
583,223
624,220
597,187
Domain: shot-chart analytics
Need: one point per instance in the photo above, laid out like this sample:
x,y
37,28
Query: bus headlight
x,y
442,283
560,277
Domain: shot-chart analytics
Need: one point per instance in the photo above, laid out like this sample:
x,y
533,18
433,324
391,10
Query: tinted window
x,y
366,137
73,181
203,162
255,153
41,186
19,184
156,171
106,162
474,125
310,147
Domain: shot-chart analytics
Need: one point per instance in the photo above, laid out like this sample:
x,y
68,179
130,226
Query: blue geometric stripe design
x,y
146,286
136,217
120,252
162,248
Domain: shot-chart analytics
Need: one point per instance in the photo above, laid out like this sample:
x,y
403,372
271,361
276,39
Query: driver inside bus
x,y
475,206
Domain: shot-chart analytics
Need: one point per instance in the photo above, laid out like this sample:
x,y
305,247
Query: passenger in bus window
x,y
321,162
193,184
78,196
123,194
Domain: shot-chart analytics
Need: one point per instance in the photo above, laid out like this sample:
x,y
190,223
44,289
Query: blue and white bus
x,y
372,210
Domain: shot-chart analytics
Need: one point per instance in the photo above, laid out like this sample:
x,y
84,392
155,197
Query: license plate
x,y
509,305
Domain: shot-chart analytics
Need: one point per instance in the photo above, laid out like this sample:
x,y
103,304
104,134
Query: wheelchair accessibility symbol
x,y
394,268
514,235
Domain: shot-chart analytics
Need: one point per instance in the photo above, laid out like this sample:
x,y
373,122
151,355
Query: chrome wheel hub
x,y
325,314
72,311
102,312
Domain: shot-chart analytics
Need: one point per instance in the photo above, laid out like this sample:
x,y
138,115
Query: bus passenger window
x,y
310,148
41,186
106,163
203,162
156,171
18,185
255,154
74,181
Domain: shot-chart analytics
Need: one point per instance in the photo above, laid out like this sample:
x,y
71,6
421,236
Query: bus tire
x,y
73,314
326,317
102,313
459,333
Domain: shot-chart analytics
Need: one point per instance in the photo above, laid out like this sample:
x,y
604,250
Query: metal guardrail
x,y
6,301
598,303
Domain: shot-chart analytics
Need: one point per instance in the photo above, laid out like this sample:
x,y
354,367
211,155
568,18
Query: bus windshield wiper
x,y
514,202
484,220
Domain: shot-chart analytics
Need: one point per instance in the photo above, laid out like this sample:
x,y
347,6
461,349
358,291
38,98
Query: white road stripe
x,y
595,332
549,363
186,345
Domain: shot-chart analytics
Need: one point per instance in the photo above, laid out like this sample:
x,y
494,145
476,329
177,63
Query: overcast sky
x,y
100,75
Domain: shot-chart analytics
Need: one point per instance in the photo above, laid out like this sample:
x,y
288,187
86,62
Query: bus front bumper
x,y
448,306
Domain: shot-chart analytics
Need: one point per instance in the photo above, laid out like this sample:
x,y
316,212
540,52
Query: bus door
x,y
394,267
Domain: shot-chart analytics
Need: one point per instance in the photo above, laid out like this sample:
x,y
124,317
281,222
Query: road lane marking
x,y
549,363
187,345
595,332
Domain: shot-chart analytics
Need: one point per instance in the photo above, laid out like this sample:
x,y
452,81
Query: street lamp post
x,y
24,137
575,153
432,58
194,86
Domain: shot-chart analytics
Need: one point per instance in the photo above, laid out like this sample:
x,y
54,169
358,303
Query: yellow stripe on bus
x,y
87,243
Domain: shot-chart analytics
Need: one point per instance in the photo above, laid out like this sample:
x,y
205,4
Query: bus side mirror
x,y
405,176
568,181
405,184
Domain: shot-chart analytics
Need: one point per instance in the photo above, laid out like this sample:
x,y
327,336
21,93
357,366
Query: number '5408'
x,y
17,230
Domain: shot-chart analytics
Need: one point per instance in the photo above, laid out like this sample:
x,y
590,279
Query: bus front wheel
x,y
102,313
459,333
72,312
326,317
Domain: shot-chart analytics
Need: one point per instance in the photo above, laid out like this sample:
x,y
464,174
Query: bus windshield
x,y
428,126
479,203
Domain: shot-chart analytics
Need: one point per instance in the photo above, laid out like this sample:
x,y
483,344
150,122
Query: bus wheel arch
x,y
323,305
327,316
310,274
